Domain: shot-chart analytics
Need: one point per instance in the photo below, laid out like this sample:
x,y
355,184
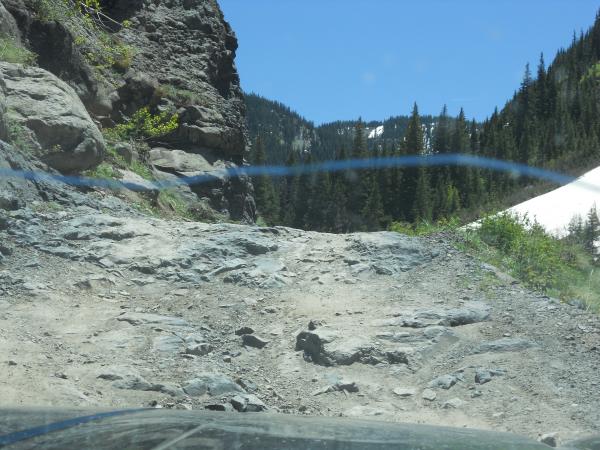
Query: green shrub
x,y
558,267
182,96
91,29
531,254
425,228
104,171
12,52
144,125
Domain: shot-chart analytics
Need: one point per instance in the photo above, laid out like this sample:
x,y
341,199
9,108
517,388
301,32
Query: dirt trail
x,y
118,310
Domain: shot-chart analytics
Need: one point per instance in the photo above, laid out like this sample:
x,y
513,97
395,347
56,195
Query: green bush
x,y
182,96
425,228
558,267
12,52
104,171
92,31
144,125
532,254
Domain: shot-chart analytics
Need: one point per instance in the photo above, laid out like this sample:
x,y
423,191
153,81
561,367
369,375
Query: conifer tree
x,y
592,231
412,145
422,210
265,195
289,196
359,181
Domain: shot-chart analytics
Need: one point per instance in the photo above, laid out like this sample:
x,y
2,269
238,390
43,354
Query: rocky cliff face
x,y
180,58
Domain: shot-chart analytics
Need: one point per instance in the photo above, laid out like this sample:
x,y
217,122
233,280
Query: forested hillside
x,y
284,131
552,121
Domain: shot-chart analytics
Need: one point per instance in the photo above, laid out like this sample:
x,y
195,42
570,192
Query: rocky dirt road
x,y
105,307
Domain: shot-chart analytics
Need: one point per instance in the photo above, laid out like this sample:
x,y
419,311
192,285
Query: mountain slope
x,y
284,131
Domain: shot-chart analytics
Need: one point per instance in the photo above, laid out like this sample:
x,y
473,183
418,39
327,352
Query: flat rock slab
x,y
151,319
211,384
505,345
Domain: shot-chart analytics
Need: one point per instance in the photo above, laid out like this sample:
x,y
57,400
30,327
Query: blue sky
x,y
341,59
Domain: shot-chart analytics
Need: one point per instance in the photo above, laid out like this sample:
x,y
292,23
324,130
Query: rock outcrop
x,y
50,118
182,60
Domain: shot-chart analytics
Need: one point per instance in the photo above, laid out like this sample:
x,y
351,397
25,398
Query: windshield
x,y
367,210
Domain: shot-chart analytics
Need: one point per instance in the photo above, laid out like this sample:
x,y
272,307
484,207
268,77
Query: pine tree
x,y
319,214
461,144
265,195
592,231
289,196
413,145
359,181
422,210
372,211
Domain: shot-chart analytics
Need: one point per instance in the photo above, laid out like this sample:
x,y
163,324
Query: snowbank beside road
x,y
557,208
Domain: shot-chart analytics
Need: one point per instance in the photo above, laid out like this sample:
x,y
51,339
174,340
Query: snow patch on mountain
x,y
557,208
376,132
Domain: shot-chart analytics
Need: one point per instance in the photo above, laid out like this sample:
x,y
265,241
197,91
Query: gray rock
x,y
9,201
179,161
244,330
228,266
326,347
505,345
211,384
454,403
472,312
429,395
248,403
251,340
151,319
96,283
171,389
55,123
125,378
443,382
62,251
222,407
390,252
167,344
247,385
404,392
199,349
550,439
483,376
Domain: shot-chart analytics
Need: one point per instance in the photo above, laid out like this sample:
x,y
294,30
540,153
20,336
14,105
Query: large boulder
x,y
50,117
8,26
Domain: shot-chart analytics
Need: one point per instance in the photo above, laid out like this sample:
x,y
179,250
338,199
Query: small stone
x,y
227,358
199,349
248,403
251,340
429,395
247,385
61,375
220,407
454,403
314,324
483,376
550,439
12,363
405,392
444,382
244,330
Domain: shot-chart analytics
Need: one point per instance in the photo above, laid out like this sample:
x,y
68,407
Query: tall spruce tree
x,y
413,145
289,195
264,191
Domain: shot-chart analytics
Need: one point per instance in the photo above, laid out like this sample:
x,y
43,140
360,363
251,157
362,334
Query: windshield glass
x,y
370,210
